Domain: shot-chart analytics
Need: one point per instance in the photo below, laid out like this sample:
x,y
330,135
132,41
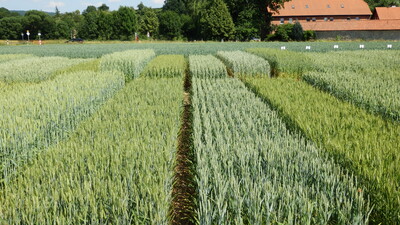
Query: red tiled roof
x,y
388,13
350,25
324,7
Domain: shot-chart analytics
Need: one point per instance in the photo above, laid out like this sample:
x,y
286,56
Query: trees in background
x,y
11,27
216,22
6,13
170,25
177,20
125,23
148,21
382,3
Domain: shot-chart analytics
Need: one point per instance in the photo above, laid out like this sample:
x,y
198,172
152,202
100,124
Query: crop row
x,y
362,143
39,115
34,69
250,170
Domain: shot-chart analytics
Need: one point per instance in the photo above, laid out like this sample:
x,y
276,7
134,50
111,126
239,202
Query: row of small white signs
x,y
335,47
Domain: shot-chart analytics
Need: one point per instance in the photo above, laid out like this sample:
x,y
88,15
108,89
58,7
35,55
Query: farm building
x,y
317,10
348,19
386,13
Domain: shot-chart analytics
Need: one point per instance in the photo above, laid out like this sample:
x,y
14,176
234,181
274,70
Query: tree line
x,y
176,20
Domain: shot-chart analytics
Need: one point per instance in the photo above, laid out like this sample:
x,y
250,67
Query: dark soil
x,y
184,190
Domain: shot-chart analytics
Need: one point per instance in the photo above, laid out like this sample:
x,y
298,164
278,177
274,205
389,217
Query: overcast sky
x,y
72,5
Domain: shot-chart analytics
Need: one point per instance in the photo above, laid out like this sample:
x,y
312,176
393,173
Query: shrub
x,y
309,35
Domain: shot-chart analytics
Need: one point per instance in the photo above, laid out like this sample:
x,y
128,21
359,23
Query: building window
x,y
314,19
282,20
331,19
357,18
290,20
348,18
306,6
292,6
326,19
328,6
308,19
342,5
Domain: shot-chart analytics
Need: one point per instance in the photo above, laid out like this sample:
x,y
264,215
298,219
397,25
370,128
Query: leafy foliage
x,y
289,32
125,22
148,21
309,35
171,25
297,32
216,22
246,25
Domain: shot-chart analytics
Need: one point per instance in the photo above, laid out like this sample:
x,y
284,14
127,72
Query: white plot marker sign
x,y
336,46
283,47
27,33
362,46
308,47
389,46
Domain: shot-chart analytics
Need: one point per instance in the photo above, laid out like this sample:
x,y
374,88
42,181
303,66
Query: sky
x,y
72,5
